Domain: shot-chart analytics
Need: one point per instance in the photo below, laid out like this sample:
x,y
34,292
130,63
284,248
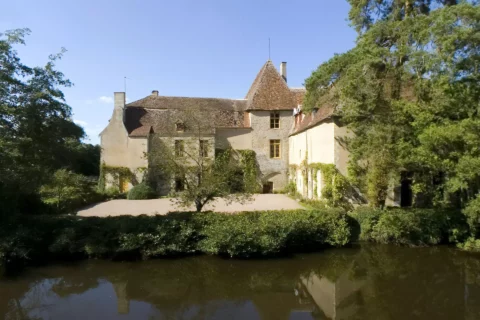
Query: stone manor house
x,y
268,121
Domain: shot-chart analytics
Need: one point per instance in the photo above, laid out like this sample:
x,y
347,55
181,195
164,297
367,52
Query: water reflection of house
x,y
123,304
335,299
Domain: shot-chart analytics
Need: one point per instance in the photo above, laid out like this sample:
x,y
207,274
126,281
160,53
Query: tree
x,y
184,159
67,191
410,92
36,130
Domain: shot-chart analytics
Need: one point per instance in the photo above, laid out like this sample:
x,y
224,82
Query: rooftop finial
x,y
268,48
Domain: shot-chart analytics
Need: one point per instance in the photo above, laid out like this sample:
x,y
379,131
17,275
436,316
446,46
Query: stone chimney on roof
x,y
283,70
155,93
118,104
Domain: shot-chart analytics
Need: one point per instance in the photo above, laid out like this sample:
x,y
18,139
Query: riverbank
x,y
30,240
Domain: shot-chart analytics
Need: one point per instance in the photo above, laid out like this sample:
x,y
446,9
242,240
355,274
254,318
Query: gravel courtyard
x,y
163,206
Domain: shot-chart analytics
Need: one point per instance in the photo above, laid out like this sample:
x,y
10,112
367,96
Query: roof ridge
x,y
132,104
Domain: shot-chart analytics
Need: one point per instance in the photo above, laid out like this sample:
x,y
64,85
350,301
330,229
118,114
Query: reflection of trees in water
x,y
373,282
29,299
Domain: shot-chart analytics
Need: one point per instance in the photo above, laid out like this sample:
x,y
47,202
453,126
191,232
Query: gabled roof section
x,y
269,91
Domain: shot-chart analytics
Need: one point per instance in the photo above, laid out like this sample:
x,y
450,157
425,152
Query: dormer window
x,y
180,127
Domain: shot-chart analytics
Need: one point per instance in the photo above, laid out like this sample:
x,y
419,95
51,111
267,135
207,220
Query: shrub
x,y
141,191
411,226
290,188
68,191
250,234
271,233
367,218
472,214
113,193
471,245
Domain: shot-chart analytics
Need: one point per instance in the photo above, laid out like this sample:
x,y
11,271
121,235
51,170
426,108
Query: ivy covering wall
x,y
118,174
248,166
335,186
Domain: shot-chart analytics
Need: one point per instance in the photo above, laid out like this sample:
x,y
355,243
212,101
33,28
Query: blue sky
x,y
209,48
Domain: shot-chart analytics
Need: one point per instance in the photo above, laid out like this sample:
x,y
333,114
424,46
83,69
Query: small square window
x,y
179,148
180,127
275,149
274,120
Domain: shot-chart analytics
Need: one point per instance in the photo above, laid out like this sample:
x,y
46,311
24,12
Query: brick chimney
x,y
283,70
155,93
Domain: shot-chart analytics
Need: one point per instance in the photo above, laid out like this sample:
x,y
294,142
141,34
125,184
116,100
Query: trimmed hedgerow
x,y
252,234
43,238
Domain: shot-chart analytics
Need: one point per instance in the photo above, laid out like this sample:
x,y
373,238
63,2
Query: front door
x,y
268,187
123,184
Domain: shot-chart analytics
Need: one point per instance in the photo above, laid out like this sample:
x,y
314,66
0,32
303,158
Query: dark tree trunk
x,y
198,205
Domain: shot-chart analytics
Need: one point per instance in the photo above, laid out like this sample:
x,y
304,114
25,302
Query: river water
x,y
368,282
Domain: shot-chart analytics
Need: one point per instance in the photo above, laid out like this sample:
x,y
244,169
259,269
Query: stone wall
x,y
119,150
271,170
235,138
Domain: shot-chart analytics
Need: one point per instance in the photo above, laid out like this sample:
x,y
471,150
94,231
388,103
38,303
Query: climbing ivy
x,y
248,165
117,173
335,185
250,172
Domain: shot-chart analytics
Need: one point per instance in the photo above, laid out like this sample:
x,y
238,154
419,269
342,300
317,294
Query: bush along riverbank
x,y
29,240
38,239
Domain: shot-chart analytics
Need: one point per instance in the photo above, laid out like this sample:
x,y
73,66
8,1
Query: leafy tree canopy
x,y
410,92
37,134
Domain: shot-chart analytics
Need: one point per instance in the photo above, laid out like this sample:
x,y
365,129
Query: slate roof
x,y
269,91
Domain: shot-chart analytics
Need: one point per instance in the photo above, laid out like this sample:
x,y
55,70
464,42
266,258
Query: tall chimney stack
x,y
283,70
118,105
155,93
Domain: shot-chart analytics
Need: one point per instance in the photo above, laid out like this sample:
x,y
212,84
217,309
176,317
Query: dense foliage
x,y
269,233
67,191
410,92
411,227
34,239
141,191
37,134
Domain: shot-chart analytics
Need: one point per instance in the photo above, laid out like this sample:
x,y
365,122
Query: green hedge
x,y
141,192
414,227
253,234
27,240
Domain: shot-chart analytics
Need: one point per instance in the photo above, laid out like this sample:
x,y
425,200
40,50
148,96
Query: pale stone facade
x,y
281,146
316,144
243,124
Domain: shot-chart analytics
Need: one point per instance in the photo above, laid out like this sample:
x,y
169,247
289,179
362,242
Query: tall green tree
x,y
410,92
36,130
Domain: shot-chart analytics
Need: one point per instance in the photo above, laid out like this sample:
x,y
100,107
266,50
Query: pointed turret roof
x,y
269,91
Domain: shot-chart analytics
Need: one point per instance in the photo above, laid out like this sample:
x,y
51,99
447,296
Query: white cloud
x,y
105,99
80,122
